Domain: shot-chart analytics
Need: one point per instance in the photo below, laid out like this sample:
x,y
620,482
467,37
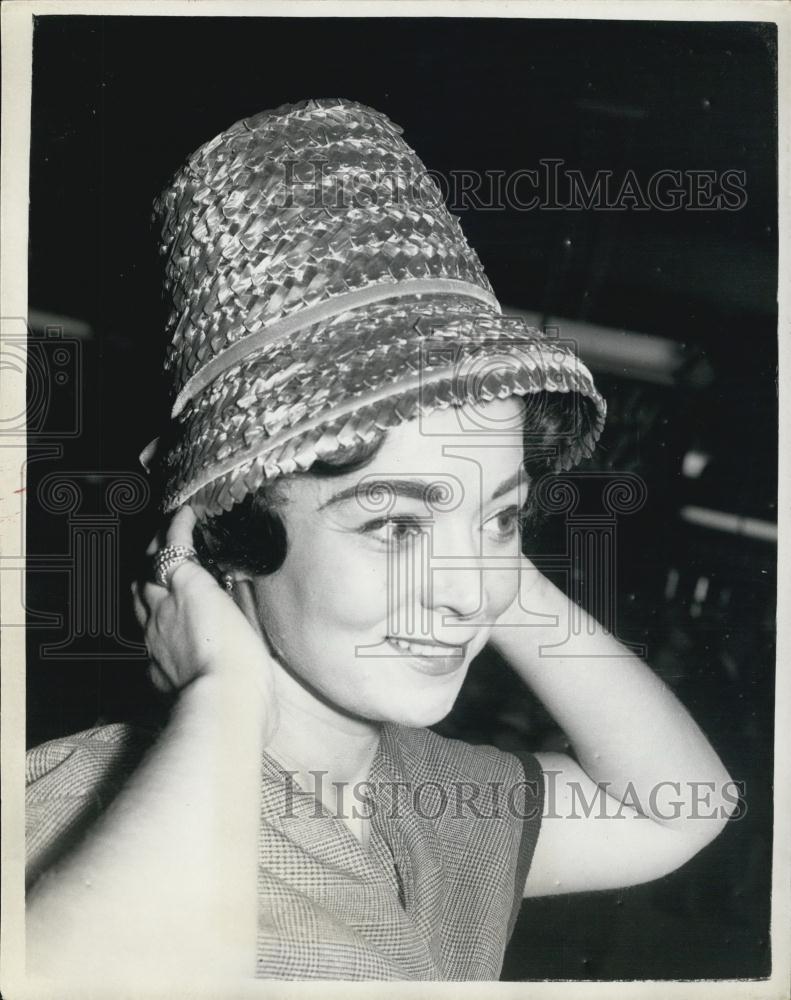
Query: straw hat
x,y
321,292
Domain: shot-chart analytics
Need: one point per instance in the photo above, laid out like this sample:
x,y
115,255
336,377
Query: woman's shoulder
x,y
92,751
71,780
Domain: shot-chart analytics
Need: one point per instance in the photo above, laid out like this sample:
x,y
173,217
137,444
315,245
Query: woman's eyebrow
x,y
413,489
519,478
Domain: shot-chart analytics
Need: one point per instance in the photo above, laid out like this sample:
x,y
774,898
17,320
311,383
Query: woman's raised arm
x,y
165,883
647,790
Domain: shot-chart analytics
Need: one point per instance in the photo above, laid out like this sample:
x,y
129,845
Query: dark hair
x,y
251,536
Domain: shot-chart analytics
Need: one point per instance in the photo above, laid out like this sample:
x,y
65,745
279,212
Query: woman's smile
x,y
429,657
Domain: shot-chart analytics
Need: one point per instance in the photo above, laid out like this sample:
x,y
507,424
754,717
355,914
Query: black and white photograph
x,y
392,489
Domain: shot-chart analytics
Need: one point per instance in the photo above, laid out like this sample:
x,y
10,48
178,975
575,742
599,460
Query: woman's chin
x,y
419,712
421,720
419,701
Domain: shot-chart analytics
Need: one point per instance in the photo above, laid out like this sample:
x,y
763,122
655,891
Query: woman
x,y
357,433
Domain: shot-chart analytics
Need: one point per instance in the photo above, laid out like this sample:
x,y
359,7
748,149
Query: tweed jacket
x,y
433,896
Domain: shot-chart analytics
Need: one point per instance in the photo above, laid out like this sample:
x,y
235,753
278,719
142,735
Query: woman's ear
x,y
233,573
231,579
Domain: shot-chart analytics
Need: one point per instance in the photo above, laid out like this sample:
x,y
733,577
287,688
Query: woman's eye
x,y
398,530
505,524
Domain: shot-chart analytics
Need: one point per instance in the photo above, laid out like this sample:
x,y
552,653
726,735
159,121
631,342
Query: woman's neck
x,y
313,737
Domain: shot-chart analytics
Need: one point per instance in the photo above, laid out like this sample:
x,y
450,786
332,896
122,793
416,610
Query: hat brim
x,y
344,381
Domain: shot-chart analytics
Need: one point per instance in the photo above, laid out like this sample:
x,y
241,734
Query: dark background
x,y
118,103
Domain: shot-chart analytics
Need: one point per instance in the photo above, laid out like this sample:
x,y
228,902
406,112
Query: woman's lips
x,y
429,657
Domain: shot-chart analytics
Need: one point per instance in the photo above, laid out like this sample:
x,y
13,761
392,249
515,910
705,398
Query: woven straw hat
x,y
321,292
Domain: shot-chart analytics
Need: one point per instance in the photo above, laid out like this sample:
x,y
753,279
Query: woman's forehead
x,y
436,451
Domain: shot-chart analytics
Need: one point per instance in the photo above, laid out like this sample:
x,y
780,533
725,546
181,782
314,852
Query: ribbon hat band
x,y
247,347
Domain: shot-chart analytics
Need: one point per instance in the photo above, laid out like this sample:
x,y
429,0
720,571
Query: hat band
x,y
248,346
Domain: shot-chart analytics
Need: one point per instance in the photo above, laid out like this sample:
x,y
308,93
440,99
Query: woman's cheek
x,y
502,592
350,591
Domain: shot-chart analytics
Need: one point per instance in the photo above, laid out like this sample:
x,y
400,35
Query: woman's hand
x,y
535,605
195,629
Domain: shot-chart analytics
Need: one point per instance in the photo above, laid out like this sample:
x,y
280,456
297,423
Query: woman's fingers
x,y
174,618
141,609
181,527
192,627
144,608
152,595
159,678
180,532
155,544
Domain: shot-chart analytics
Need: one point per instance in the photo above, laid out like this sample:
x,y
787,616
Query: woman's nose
x,y
456,591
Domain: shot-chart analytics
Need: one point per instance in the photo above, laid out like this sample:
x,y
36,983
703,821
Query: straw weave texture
x,y
295,210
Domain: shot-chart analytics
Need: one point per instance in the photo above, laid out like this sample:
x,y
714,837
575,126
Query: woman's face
x,y
395,573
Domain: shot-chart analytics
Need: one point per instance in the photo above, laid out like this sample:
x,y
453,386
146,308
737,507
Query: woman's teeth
x,y
424,648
